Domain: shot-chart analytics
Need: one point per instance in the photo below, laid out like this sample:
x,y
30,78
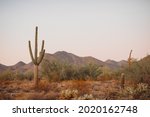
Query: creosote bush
x,y
7,75
62,71
14,75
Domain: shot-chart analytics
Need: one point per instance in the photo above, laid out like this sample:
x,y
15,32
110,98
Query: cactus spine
x,y
35,59
129,59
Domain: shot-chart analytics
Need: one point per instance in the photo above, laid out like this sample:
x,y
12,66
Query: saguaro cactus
x,y
129,59
122,83
36,60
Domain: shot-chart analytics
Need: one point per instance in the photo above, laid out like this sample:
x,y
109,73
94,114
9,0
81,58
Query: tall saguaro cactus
x,y
35,59
129,59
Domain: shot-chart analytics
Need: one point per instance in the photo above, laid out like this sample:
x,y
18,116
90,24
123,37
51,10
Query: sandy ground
x,y
24,90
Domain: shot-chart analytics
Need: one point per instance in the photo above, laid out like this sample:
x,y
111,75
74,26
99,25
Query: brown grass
x,y
100,89
83,87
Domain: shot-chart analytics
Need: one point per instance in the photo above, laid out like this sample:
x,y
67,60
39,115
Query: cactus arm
x,y
36,44
31,54
130,54
42,48
40,58
41,54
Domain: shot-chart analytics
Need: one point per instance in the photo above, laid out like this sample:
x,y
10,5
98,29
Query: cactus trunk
x,y
35,59
122,81
129,59
36,79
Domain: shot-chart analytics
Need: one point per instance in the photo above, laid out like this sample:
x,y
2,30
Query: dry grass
x,y
82,86
101,89
44,85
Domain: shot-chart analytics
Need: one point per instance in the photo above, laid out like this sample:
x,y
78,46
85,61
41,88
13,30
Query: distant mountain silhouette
x,y
70,58
112,64
3,67
115,65
17,65
147,58
65,57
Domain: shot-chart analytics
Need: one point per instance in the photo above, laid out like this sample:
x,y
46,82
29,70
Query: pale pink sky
x,y
104,29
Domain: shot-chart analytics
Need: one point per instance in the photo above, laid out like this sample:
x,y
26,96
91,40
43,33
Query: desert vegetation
x,y
64,76
57,71
89,82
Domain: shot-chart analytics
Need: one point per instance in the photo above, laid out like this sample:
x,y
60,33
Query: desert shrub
x,y
44,85
141,91
23,76
57,71
89,71
83,87
74,94
19,76
139,71
7,75
15,75
106,71
68,72
62,71
29,75
69,94
51,70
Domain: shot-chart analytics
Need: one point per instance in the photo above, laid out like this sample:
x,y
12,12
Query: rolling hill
x,y
64,57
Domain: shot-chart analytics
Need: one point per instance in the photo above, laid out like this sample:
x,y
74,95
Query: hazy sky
x,y
104,29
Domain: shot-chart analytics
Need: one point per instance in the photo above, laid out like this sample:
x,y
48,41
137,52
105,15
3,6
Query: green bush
x,y
107,72
15,75
52,70
7,75
62,71
19,76
139,71
89,71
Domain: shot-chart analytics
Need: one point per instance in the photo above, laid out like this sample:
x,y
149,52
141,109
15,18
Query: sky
x,y
104,29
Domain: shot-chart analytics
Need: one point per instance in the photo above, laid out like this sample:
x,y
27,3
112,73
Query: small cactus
x,y
35,59
122,83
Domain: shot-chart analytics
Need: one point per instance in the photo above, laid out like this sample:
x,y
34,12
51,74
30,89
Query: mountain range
x,y
66,57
